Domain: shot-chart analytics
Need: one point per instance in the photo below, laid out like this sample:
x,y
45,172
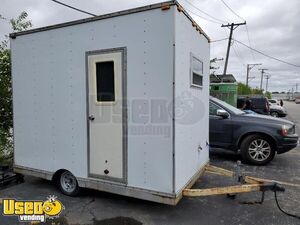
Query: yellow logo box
x,y
13,207
32,210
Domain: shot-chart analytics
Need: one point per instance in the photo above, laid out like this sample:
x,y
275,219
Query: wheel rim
x,y
68,182
259,150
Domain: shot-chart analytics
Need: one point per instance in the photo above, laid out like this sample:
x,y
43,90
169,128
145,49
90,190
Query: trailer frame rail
x,y
245,184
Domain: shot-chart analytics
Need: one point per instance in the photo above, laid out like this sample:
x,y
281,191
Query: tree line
x,y
243,89
6,112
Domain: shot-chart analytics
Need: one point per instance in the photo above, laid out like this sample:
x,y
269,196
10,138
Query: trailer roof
x,y
163,5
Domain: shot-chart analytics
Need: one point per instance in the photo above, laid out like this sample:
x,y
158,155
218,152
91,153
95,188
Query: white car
x,y
274,101
277,110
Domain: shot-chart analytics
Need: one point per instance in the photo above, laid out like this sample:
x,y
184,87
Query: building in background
x,y
224,87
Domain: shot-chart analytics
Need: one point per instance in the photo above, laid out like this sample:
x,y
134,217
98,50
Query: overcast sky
x,y
273,25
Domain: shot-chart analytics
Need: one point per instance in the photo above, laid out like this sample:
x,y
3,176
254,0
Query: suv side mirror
x,y
222,113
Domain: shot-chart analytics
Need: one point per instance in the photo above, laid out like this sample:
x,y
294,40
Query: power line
x,y
232,27
194,6
249,42
228,7
223,39
243,20
212,21
239,57
241,60
71,7
264,54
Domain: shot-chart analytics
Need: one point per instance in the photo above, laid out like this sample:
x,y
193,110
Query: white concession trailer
x,y
117,102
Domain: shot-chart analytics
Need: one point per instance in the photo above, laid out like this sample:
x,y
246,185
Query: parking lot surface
x,y
100,208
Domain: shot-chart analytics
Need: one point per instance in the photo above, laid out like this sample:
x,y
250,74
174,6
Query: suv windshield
x,y
229,107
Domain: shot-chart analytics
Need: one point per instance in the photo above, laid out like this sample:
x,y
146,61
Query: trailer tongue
x,y
244,184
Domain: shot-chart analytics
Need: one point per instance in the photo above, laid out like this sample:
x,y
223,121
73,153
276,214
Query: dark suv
x,y
259,104
258,137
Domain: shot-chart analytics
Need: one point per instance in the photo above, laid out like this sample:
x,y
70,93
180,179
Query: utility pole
x,y
232,27
249,67
262,77
214,60
267,78
297,87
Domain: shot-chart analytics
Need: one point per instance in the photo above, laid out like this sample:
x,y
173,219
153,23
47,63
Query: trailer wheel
x,y
257,149
68,184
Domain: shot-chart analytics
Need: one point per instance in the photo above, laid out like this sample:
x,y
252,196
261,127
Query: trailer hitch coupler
x,y
272,187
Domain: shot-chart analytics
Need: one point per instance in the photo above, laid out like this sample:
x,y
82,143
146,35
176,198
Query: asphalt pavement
x,y
99,208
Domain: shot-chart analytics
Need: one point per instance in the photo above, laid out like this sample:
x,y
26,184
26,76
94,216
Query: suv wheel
x,y
257,149
274,114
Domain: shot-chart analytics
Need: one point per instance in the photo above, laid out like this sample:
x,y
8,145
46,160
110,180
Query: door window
x,y
213,109
105,81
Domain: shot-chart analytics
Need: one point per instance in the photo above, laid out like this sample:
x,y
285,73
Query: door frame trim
x,y
123,51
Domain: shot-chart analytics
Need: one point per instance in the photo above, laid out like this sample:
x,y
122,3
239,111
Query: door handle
x,y
91,117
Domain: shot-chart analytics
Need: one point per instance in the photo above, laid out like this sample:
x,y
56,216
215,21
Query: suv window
x,y
259,104
240,102
258,101
213,109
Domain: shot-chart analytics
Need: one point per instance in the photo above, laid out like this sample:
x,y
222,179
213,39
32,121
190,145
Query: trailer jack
x,y
267,187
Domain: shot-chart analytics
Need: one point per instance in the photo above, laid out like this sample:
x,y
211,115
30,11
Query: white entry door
x,y
106,130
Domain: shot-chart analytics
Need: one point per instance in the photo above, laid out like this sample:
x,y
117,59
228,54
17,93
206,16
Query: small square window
x,y
196,72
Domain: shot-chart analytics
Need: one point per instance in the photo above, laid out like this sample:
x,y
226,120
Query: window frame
x,y
192,57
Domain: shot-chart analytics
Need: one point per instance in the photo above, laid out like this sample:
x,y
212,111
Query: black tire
x,y
275,114
257,149
68,184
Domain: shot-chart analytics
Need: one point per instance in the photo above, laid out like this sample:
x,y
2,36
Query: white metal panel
x,y
48,89
150,80
191,103
49,81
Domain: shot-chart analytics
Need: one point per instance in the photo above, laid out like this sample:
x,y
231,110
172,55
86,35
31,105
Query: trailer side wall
x,y
191,103
49,95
